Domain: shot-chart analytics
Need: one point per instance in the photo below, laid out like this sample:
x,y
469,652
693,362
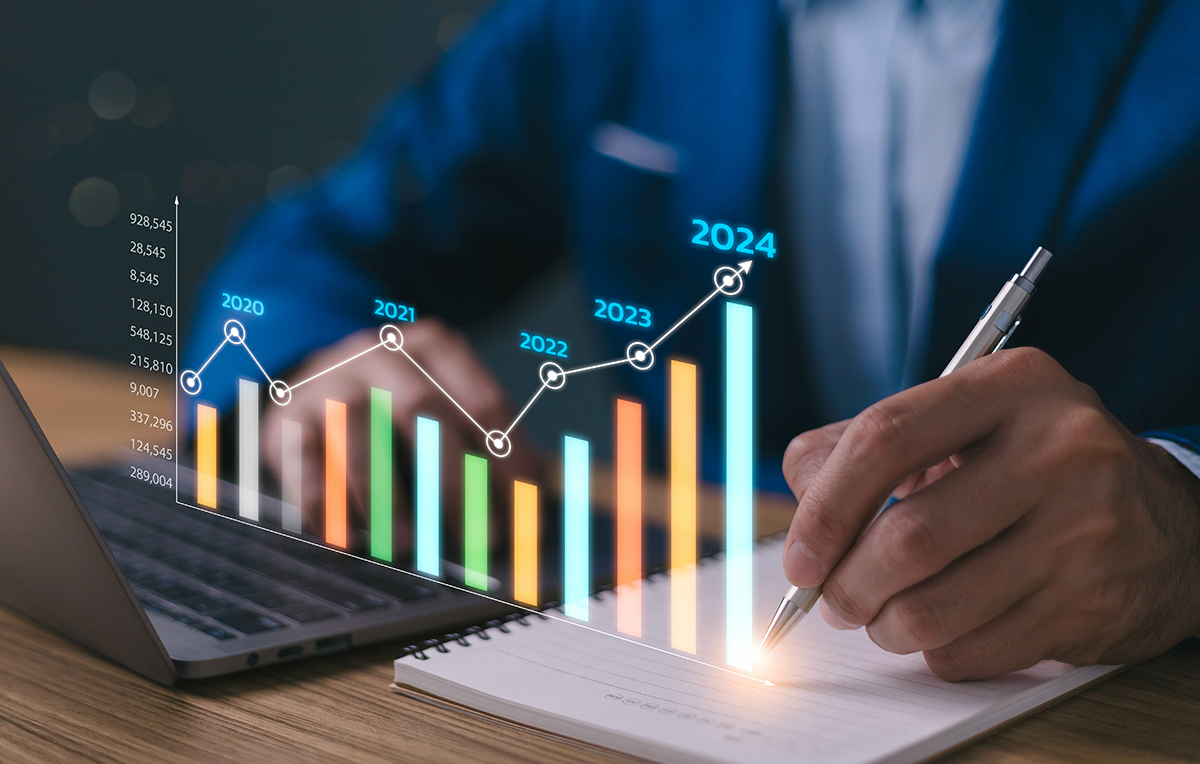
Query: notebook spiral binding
x,y
441,644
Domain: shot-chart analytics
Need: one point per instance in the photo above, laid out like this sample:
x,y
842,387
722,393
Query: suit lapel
x,y
1053,64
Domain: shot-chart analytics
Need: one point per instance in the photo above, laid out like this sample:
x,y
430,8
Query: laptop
x,y
174,592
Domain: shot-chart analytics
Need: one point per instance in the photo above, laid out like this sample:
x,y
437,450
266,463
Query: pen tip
x,y
769,683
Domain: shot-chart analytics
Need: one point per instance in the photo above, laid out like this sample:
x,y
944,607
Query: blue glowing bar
x,y
739,483
576,543
429,499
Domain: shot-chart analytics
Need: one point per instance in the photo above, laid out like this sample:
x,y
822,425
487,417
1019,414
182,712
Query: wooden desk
x,y
59,702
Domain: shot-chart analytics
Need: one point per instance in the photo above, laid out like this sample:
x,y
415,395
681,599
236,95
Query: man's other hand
x,y
449,359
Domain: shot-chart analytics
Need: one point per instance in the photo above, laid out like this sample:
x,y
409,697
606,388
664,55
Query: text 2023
x,y
619,313
722,237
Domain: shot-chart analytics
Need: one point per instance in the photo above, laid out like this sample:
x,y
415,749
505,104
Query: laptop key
x,y
152,579
216,632
243,587
398,585
151,604
205,604
273,599
247,621
343,597
307,612
177,592
187,619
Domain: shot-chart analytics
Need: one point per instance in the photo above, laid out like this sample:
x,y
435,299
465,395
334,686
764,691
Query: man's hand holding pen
x,y
1030,524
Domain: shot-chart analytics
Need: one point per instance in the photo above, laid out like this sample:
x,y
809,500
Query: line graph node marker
x,y
640,356
498,444
190,381
280,392
728,280
391,337
552,375
235,332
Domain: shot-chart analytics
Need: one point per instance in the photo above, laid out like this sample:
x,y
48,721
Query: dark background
x,y
262,95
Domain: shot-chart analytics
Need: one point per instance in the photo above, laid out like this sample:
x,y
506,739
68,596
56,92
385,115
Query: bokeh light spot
x,y
244,182
136,189
71,121
94,202
33,141
112,95
317,158
286,180
203,181
153,105
452,28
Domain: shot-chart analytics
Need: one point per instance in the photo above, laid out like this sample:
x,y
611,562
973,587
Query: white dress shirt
x,y
885,94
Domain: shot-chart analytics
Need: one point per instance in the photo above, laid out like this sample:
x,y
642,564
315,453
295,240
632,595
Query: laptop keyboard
x,y
227,580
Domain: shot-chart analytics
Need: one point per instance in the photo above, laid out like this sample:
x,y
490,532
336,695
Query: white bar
x,y
291,476
248,449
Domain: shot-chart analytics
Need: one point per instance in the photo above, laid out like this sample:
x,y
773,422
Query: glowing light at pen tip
x,y
769,683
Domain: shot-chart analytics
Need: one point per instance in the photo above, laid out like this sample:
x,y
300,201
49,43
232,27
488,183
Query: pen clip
x,y
1004,340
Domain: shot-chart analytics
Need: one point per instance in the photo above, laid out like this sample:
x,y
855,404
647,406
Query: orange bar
x,y
525,542
629,517
684,443
206,456
335,473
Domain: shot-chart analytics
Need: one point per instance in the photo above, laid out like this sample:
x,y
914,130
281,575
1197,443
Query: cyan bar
x,y
576,521
429,499
739,484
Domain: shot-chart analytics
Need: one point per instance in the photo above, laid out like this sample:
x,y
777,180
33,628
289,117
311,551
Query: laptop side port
x,y
332,644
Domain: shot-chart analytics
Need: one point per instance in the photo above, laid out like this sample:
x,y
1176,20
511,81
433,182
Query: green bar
x,y
475,535
381,474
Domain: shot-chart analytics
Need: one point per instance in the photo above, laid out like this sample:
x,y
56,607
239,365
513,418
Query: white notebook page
x,y
837,697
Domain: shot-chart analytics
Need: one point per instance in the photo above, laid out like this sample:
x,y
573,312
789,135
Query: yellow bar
x,y
525,543
335,474
206,456
684,445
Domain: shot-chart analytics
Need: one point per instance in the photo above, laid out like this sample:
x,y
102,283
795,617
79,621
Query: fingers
x,y
919,536
465,382
806,454
1015,640
448,358
974,590
911,431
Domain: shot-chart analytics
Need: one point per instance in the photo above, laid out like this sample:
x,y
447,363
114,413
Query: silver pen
x,y
990,334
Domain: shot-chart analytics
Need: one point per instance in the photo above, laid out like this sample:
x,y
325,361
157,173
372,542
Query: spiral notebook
x,y
836,697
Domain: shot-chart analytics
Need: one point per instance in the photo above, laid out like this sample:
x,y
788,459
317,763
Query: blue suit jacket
x,y
1087,141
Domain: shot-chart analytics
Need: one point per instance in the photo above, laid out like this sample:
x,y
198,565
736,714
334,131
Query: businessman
x,y
909,155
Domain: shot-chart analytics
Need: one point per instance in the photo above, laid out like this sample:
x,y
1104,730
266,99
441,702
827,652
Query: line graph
x,y
728,281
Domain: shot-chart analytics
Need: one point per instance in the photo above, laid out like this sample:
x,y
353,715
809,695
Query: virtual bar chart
x,y
681,382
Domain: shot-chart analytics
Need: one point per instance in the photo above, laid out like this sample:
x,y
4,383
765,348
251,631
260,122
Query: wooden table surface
x,y
59,702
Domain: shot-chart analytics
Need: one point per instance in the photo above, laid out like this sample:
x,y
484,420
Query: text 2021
x,y
395,310
722,237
